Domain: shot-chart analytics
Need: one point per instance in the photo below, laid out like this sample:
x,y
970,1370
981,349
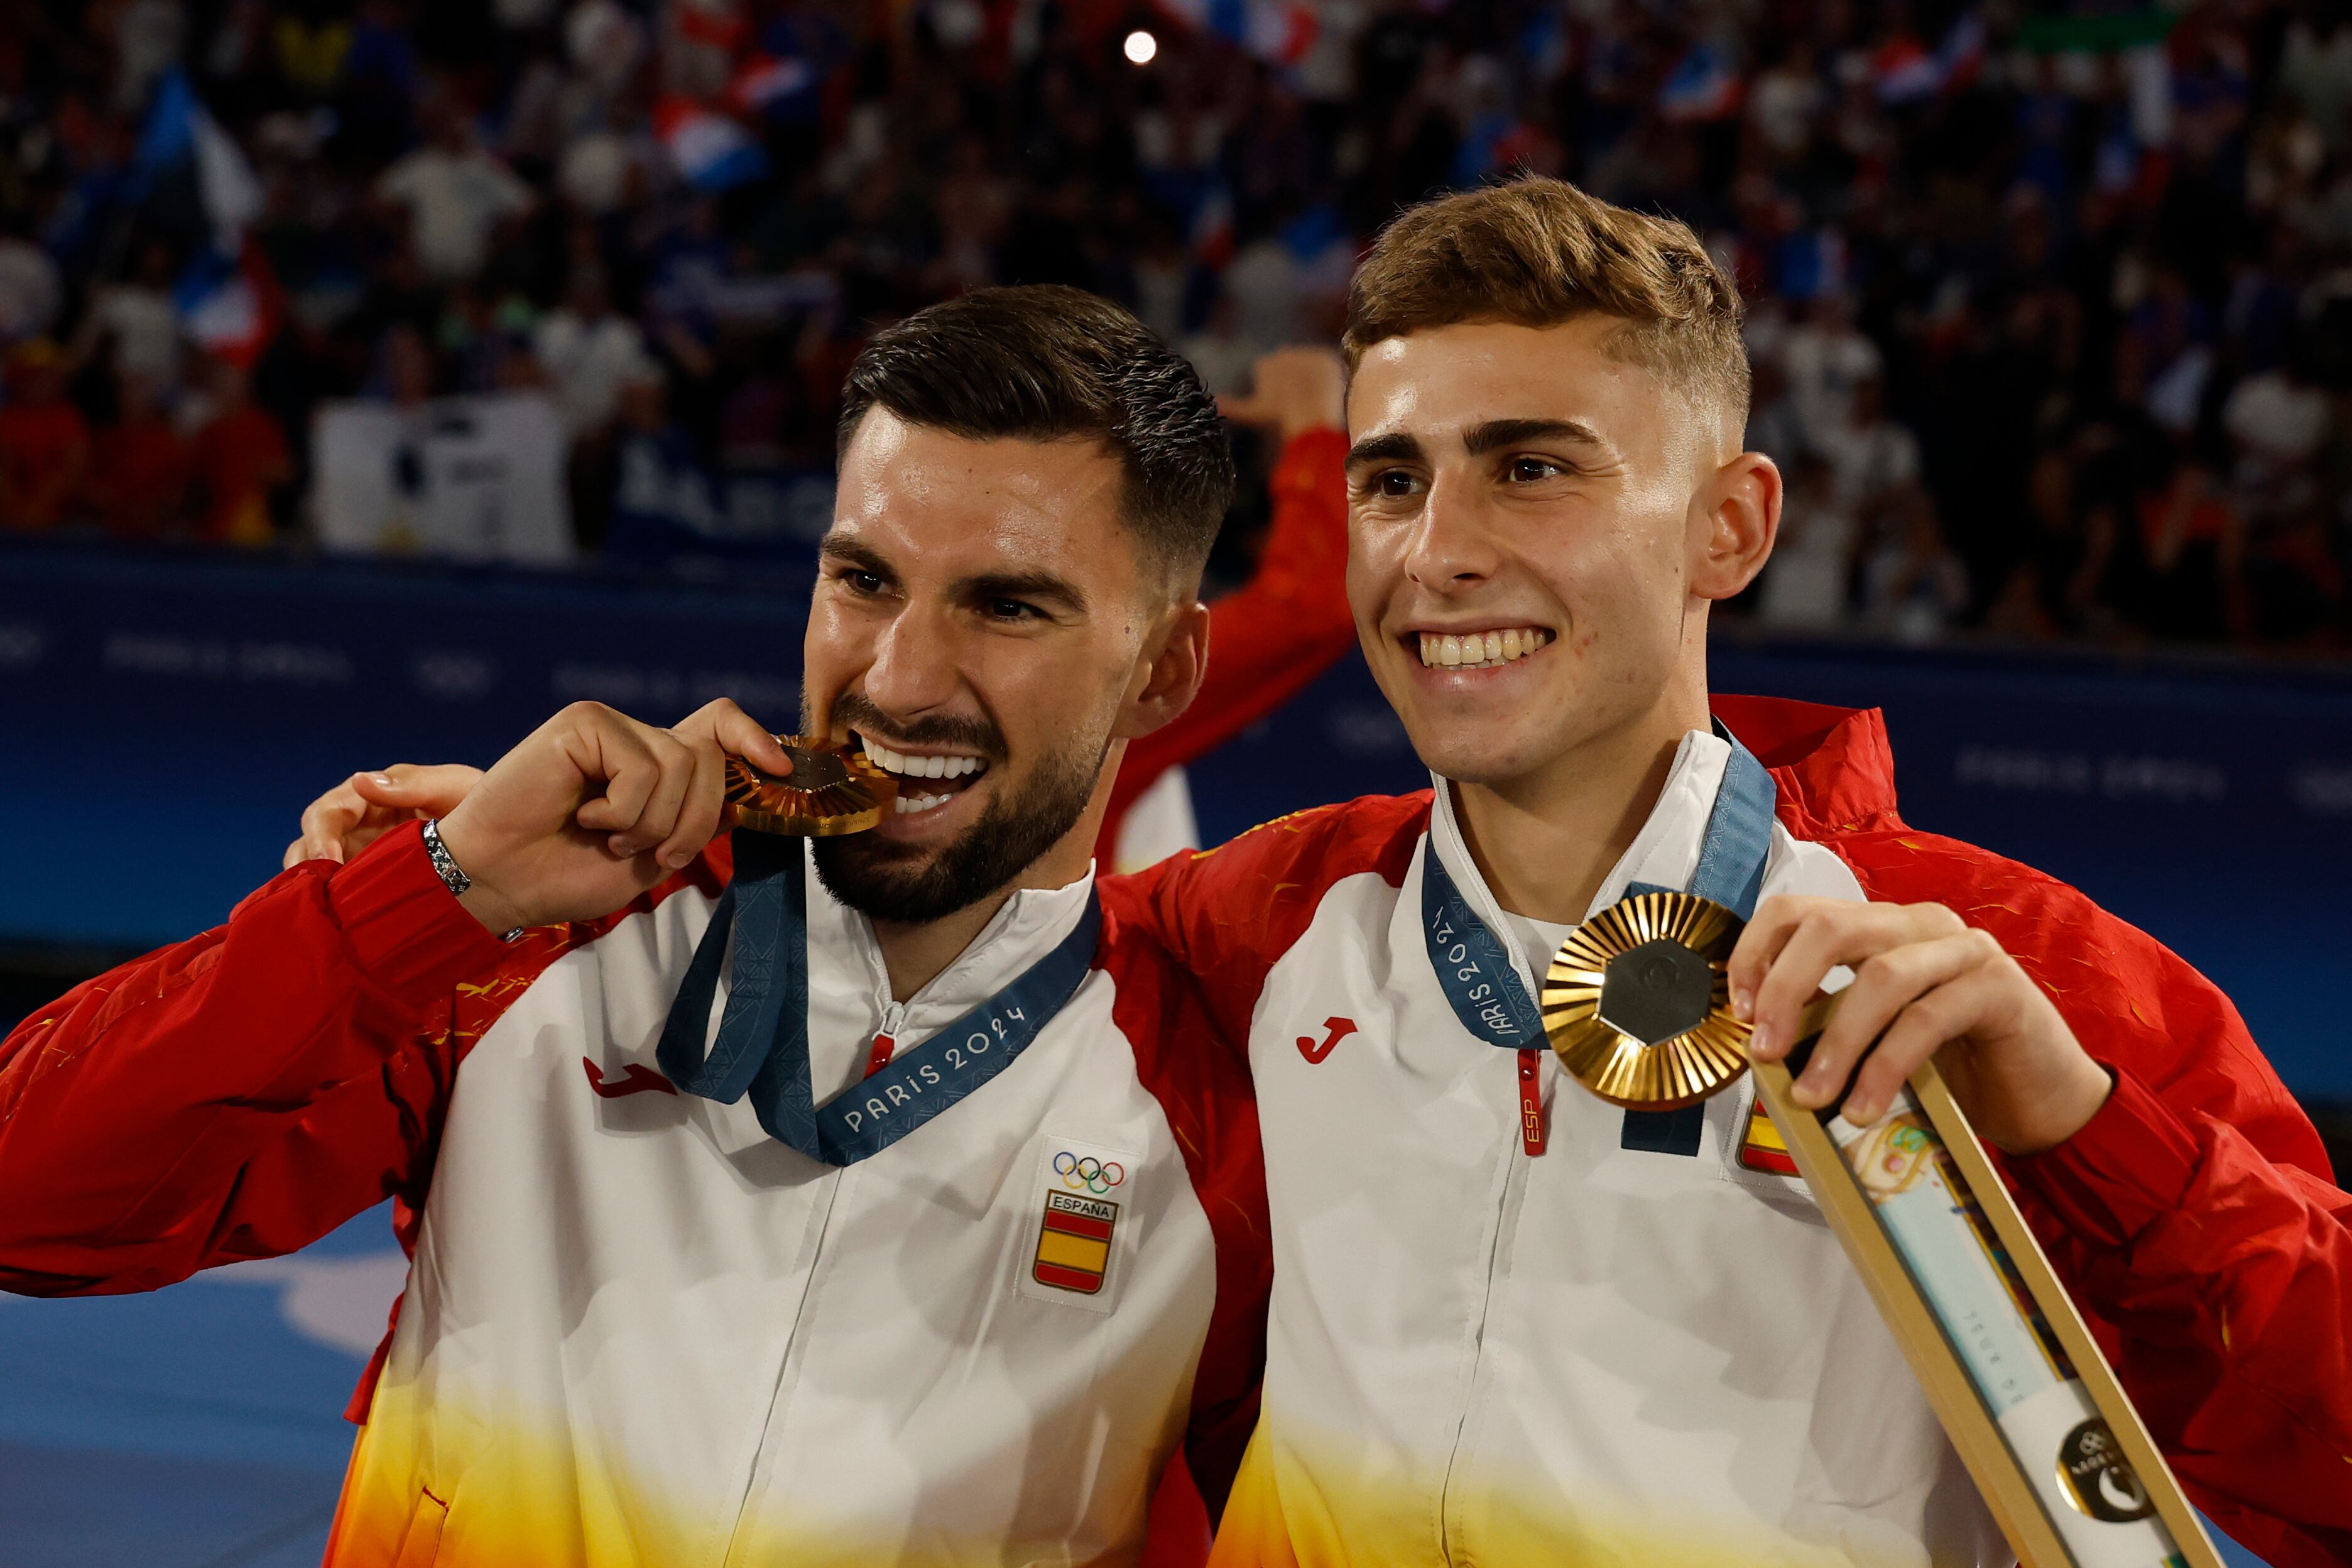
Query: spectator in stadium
x,y
139,464
451,195
44,441
1990,211
135,323
242,461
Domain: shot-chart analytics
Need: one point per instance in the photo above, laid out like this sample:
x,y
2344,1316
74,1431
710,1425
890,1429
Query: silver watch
x,y
452,876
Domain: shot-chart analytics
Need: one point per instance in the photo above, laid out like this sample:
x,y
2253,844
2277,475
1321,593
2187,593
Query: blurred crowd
x,y
2051,305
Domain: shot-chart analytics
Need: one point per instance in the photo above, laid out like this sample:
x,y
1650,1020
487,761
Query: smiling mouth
x,y
1480,650
925,783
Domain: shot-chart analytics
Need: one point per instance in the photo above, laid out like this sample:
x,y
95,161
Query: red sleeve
x,y
1269,639
2194,1218
1227,914
240,1094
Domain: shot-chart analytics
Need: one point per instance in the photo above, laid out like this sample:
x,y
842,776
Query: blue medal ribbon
x,y
1475,970
763,1046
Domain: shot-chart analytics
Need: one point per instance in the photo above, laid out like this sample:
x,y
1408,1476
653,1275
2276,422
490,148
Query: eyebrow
x,y
1043,585
1495,434
1394,448
1479,440
848,550
851,551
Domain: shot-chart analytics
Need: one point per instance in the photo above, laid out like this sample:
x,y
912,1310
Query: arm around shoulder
x,y
239,1094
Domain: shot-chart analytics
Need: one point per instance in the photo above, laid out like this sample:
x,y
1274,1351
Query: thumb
x,y
738,734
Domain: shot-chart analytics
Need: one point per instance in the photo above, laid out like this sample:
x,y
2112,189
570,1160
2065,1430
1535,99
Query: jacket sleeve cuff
x,y
2128,1167
406,932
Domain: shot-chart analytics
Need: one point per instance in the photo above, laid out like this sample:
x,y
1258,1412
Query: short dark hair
x,y
1042,363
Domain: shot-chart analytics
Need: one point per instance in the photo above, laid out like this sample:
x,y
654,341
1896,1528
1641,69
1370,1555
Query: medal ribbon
x,y
763,1046
1475,970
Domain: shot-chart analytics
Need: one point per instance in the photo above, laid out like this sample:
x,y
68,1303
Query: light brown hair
x,y
1538,252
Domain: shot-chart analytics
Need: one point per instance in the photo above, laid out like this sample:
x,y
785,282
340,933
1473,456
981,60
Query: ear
x,y
1166,684
1736,517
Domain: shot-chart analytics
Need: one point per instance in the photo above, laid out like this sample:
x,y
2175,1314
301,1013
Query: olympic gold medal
x,y
832,790
1638,1003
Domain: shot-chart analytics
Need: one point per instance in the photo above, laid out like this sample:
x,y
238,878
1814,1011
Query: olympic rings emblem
x,y
1083,1173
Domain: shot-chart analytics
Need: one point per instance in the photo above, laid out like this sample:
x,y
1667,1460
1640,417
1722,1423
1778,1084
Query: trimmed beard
x,y
896,882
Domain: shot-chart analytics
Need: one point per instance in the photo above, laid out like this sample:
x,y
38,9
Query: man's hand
x,y
1293,390
1922,980
593,808
365,806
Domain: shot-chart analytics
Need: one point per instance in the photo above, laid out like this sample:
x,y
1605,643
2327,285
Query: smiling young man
x,y
930,1248
1513,1324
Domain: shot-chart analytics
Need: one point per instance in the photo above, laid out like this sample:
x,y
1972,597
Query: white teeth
x,y
905,766
1480,650
907,802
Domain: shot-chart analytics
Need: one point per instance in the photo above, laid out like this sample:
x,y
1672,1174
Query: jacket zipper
x,y
1515,1168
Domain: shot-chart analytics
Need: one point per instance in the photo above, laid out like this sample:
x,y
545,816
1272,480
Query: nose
x,y
1453,547
914,668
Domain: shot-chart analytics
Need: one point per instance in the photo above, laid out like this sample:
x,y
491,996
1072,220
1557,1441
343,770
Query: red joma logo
x,y
1341,1029
638,1078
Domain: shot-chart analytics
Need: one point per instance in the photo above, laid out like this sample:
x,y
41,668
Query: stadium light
x,y
1142,46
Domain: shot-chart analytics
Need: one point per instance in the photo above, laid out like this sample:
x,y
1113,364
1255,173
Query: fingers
x,y
325,822
673,767
643,773
1970,1001
1889,989
1793,943
418,790
698,817
737,733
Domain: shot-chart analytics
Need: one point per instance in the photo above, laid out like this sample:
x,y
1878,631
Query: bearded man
x,y
886,1205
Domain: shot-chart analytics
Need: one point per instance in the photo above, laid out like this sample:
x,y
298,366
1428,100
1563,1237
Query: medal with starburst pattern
x,y
1637,1006
832,790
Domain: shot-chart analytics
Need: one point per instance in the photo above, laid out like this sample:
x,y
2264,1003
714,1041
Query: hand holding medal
x,y
1638,1007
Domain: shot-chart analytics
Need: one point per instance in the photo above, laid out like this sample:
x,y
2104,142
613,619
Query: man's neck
x,y
914,955
1545,842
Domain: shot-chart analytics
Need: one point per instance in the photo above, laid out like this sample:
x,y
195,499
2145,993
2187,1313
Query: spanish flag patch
x,y
1762,1150
1074,1242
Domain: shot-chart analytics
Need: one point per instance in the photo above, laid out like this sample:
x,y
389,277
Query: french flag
x,y
1279,32
765,80
712,151
230,305
1702,86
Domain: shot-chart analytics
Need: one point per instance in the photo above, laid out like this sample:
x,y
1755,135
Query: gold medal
x,y
832,790
1637,1002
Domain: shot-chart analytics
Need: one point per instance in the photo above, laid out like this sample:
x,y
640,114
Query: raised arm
x,y
1269,639
241,1094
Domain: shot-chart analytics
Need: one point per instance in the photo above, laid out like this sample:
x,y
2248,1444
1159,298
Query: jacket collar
x,y
1664,852
1833,767
849,985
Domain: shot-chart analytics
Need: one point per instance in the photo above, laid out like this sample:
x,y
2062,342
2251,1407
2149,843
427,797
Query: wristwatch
x,y
452,876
